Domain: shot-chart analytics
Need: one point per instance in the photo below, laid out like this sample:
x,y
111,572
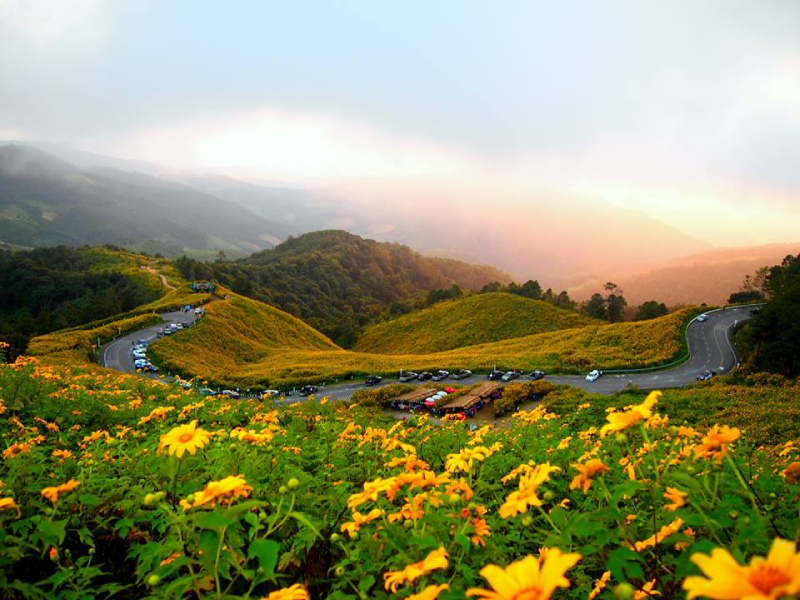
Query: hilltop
x,y
46,201
475,319
246,343
339,282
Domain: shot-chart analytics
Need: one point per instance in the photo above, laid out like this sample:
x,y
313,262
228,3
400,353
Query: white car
x,y
703,318
138,354
593,375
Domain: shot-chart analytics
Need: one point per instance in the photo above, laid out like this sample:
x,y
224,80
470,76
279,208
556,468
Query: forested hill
x,y
53,288
338,282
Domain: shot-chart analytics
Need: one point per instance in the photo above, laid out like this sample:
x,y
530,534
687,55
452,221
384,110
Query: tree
x,y
651,310
596,307
773,335
616,302
531,289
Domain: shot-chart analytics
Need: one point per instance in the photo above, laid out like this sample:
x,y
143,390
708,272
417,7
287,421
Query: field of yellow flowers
x,y
245,343
118,486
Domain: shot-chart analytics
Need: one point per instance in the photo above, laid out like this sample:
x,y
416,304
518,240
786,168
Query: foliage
x,y
335,281
99,500
773,335
248,344
515,394
380,396
651,309
533,290
475,319
47,289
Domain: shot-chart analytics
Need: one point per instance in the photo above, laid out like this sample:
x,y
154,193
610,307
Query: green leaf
x,y
304,520
123,526
366,583
463,540
53,532
212,520
424,542
267,553
624,564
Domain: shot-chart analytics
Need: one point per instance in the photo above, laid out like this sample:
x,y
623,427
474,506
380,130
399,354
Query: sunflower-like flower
x,y
51,493
229,488
9,504
588,471
295,592
437,559
776,576
617,421
429,593
358,520
676,497
463,461
716,441
184,438
792,473
518,501
529,578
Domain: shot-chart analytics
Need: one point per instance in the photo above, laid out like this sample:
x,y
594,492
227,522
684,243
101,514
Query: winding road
x,y
711,347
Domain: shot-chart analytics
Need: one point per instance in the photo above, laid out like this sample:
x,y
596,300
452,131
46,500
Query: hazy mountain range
x,y
51,194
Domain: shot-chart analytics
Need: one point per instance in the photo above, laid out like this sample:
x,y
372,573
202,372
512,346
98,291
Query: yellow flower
x,y
295,592
527,579
617,421
226,489
659,537
437,559
677,497
184,438
359,520
16,449
588,471
648,590
463,461
51,493
519,501
776,576
429,593
600,585
716,441
9,504
792,473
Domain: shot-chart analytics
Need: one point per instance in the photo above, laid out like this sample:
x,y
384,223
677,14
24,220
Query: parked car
x,y
207,392
407,376
755,311
167,331
462,374
441,375
198,311
178,326
230,394
703,318
705,375
510,375
593,375
307,390
373,380
536,375
269,394
496,375
151,368
139,363
160,332
424,376
138,354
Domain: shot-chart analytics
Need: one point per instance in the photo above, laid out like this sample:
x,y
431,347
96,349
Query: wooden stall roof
x,y
415,395
474,396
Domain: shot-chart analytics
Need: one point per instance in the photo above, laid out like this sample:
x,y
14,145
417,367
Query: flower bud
x,y
293,483
624,591
153,580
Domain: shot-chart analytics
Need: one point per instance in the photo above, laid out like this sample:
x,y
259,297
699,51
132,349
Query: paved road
x,y
710,347
117,354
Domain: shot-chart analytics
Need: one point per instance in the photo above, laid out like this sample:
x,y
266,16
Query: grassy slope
x,y
475,319
245,342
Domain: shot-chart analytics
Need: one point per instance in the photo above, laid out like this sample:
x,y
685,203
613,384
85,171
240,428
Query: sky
x,y
687,111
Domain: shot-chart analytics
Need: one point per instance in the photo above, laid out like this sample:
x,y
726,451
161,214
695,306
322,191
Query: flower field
x,y
117,486
474,319
246,343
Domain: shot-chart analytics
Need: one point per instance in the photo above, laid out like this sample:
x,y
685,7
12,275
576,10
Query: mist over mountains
x,y
52,194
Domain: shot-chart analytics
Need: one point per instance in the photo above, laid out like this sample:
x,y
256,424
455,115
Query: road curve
x,y
710,343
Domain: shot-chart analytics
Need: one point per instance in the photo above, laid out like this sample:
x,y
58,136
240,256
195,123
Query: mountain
x,y
339,282
708,277
559,240
46,201
467,321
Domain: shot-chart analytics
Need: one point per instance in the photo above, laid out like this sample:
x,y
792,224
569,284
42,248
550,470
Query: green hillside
x,y
467,321
339,282
245,343
45,201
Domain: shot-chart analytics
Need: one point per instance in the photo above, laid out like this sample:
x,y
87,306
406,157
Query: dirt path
x,y
163,279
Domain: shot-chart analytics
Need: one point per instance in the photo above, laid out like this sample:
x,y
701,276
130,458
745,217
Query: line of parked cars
x,y
173,328
139,354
